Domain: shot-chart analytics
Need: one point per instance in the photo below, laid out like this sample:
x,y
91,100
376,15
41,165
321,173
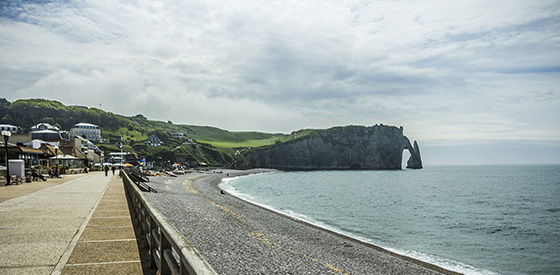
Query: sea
x,y
470,219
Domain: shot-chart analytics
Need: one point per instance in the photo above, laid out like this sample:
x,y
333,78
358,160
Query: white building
x,y
122,158
44,126
153,141
48,135
13,129
36,143
86,130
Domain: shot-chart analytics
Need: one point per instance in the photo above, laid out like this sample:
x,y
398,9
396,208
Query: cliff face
x,y
351,147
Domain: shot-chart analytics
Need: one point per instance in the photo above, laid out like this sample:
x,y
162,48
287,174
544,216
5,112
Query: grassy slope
x,y
219,145
244,143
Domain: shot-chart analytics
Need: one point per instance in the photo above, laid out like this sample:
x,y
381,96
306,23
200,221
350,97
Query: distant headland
x,y
350,147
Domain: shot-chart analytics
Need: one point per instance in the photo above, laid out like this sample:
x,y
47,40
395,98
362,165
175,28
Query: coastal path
x,y
79,224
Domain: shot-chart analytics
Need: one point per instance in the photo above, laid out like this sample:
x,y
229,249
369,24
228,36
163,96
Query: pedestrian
x,y
55,173
106,170
113,168
37,176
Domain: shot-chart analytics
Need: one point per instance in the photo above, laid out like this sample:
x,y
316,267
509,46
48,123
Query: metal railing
x,y
170,251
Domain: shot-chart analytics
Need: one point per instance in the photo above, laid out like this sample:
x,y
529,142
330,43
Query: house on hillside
x,y
153,141
44,126
178,135
50,135
11,128
89,131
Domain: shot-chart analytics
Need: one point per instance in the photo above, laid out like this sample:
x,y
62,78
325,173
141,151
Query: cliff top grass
x,y
245,143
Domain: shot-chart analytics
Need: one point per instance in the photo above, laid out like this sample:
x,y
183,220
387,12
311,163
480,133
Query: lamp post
x,y
7,135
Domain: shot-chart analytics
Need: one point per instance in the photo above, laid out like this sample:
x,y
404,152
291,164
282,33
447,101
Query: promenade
x,y
79,224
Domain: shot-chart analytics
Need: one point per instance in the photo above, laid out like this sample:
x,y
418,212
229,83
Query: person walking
x,y
106,170
113,169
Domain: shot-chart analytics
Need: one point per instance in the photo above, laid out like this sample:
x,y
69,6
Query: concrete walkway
x,y
54,229
13,191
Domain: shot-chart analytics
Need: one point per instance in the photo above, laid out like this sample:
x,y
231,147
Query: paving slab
x,y
106,251
110,213
113,207
110,221
108,233
123,268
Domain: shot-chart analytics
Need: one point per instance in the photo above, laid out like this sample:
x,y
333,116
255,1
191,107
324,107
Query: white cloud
x,y
445,70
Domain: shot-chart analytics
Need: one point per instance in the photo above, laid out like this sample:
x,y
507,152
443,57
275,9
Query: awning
x,y
64,157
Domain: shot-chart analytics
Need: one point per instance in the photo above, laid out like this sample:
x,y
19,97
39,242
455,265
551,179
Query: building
x,y
153,141
29,155
20,138
13,129
92,152
44,126
37,143
122,158
178,135
48,135
89,131
47,132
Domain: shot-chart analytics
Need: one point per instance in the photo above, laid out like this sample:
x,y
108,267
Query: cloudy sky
x,y
472,81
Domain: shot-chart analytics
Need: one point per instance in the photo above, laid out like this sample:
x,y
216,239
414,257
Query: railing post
x,y
152,242
164,245
141,217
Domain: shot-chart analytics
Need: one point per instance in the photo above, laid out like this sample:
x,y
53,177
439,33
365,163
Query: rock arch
x,y
415,161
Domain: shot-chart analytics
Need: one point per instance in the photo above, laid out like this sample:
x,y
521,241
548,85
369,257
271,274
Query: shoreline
x,y
240,237
215,184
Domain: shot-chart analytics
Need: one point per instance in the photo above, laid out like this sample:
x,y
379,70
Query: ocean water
x,y
471,219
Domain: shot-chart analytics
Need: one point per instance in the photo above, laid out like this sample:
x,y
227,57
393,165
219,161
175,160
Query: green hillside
x,y
211,145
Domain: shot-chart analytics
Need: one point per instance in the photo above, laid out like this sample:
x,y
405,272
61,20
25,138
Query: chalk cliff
x,y
350,147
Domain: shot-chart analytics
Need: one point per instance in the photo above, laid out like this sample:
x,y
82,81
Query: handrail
x,y
163,239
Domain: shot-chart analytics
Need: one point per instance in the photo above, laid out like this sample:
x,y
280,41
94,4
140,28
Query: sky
x,y
475,82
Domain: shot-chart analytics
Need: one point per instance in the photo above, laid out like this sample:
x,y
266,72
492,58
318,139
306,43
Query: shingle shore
x,y
237,237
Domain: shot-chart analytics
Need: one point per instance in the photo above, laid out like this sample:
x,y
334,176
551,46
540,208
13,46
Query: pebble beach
x,y
237,237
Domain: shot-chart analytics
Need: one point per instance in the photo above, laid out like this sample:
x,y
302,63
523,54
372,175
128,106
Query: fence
x,y
170,251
